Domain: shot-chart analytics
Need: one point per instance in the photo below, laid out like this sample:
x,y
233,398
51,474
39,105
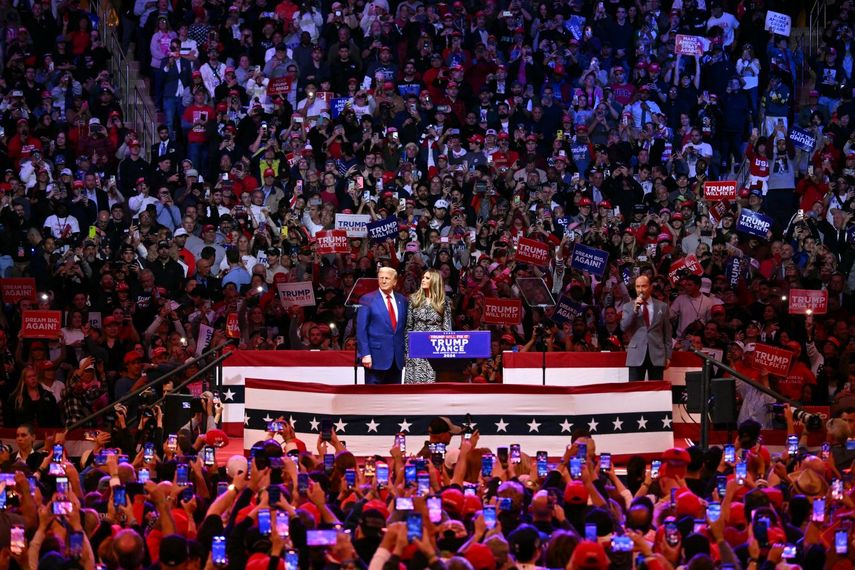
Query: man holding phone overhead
x,y
380,330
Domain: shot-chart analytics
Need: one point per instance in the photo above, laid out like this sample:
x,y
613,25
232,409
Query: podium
x,y
449,352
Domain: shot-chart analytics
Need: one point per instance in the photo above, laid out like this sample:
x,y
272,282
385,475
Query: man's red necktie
x,y
391,312
646,316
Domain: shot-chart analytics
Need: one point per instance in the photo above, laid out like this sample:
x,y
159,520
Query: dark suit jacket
x,y
374,334
171,77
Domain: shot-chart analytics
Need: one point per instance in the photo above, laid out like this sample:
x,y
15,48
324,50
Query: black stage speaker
x,y
176,412
722,398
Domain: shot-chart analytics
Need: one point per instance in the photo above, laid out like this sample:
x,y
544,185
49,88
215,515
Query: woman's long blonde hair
x,y
436,290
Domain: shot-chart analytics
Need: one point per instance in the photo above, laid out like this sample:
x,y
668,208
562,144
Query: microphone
x,y
639,301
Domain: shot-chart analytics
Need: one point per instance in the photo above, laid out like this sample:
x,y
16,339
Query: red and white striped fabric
x,y
626,419
336,368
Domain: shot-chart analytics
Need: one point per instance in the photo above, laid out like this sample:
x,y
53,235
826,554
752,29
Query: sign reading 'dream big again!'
x,y
450,344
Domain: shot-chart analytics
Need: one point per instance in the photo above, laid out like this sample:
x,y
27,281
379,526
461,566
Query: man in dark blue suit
x,y
380,329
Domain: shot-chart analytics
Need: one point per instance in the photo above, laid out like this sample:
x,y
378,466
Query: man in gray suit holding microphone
x,y
646,321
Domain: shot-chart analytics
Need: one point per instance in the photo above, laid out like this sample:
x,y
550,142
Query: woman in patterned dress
x,y
429,310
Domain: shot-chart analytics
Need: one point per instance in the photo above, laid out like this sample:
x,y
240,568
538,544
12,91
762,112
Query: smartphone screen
x,y
264,521
542,468
729,454
148,452
818,514
119,497
713,511
321,537
404,504
222,487
410,475
401,442
841,541
486,465
208,456
721,485
414,526
329,462
282,524
62,485
292,560
792,444
350,478
17,540
302,483
741,472
672,534
181,473
489,512
605,461
75,545
423,483
591,532
58,450
576,468
218,551
172,442
515,453
382,470
654,468
434,505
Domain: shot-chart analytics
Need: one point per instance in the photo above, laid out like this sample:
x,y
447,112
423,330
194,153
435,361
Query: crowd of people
x,y
447,504
472,126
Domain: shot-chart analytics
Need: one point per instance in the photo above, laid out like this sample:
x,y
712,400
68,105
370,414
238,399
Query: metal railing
x,y
203,370
138,110
706,380
817,20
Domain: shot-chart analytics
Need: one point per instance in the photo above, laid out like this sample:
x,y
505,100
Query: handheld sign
x,y
688,265
450,344
754,223
689,45
719,190
566,310
589,259
356,225
279,86
381,230
16,289
297,294
232,326
778,23
41,324
802,139
532,251
332,241
502,311
803,300
775,360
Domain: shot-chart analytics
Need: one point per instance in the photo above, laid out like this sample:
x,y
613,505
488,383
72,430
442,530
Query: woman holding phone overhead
x,y
429,310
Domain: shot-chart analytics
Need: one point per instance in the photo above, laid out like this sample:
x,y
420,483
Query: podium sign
x,y
450,344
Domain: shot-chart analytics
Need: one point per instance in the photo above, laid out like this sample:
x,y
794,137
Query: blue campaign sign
x,y
337,106
589,259
754,223
567,310
802,139
409,89
735,269
575,25
850,234
380,230
450,344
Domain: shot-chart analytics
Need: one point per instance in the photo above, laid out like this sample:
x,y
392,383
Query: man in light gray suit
x,y
646,321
